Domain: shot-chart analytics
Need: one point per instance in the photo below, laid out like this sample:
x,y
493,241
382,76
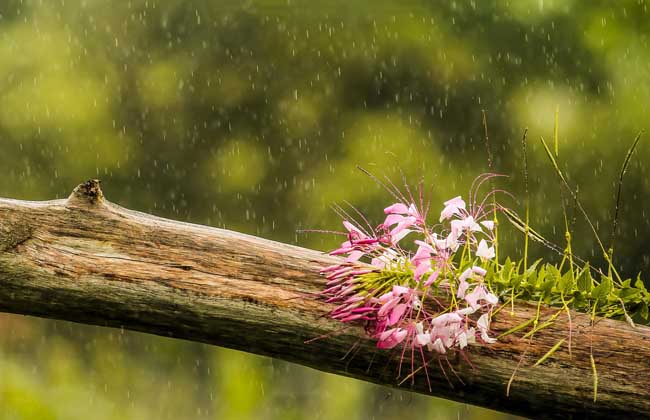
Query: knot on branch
x,y
14,233
89,193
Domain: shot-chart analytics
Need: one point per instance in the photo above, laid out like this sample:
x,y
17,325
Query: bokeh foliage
x,y
253,115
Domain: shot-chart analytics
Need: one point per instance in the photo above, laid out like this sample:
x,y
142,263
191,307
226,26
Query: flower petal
x,y
397,208
396,314
423,339
489,224
439,346
483,251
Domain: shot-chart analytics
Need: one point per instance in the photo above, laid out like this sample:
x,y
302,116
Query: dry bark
x,y
86,260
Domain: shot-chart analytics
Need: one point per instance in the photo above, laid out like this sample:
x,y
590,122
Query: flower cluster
x,y
429,295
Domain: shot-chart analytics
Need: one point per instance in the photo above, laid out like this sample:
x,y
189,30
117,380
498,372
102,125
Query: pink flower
x,y
480,293
445,319
401,230
398,235
344,249
432,278
466,311
397,314
453,206
421,338
397,208
353,231
390,338
354,256
414,212
404,210
387,257
393,219
403,217
387,306
422,259
463,285
401,290
395,304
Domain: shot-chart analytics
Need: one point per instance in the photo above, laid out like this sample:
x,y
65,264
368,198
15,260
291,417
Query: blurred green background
x,y
251,115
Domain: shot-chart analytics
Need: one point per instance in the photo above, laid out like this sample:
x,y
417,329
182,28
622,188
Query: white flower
x,y
423,339
439,346
483,251
480,293
489,224
460,226
479,270
483,325
471,336
462,340
466,311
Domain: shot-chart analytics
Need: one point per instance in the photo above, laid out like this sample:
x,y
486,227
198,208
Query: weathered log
x,y
86,260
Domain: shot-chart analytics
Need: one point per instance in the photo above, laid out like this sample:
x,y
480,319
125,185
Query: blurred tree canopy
x,y
253,116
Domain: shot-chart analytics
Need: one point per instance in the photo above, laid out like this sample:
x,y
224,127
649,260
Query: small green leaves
x,y
643,311
532,270
553,285
603,290
640,285
566,283
629,293
585,282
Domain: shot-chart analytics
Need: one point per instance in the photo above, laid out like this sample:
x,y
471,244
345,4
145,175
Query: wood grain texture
x,y
86,260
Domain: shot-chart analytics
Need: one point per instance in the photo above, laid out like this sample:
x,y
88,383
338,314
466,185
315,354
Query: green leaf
x,y
643,312
601,291
532,269
541,275
565,283
639,284
585,282
507,268
551,275
553,272
628,294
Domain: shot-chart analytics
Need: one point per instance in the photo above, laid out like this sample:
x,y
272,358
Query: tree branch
x,y
86,260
